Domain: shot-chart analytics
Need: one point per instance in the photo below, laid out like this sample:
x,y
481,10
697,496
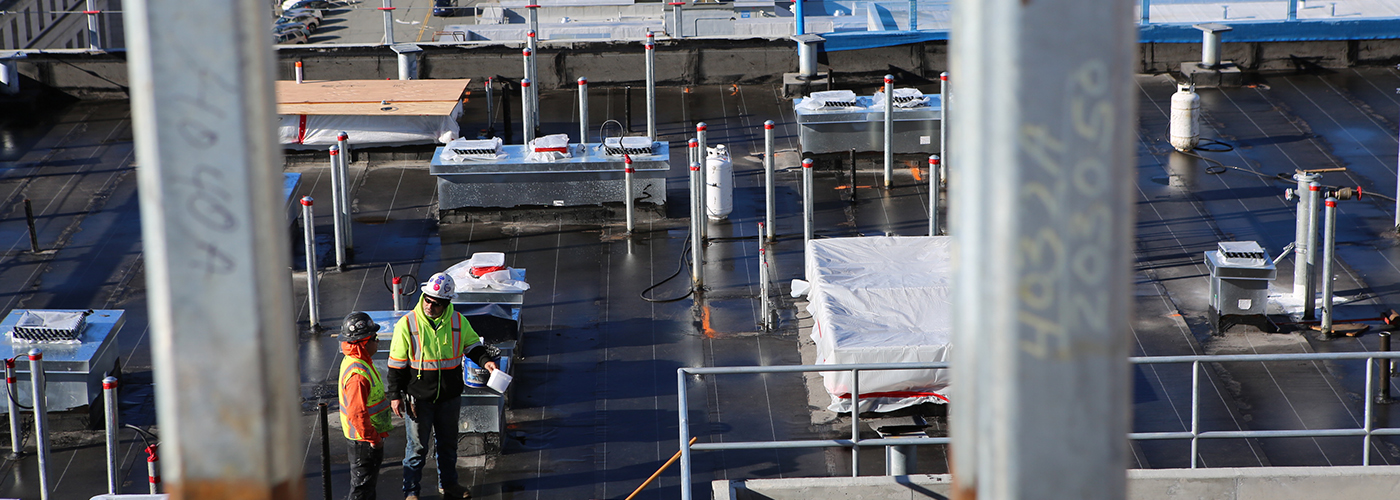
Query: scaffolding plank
x,y
369,97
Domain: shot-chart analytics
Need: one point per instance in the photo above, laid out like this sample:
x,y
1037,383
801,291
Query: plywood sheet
x,y
369,97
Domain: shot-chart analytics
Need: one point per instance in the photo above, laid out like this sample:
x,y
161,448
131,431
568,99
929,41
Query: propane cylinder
x,y
719,183
1185,123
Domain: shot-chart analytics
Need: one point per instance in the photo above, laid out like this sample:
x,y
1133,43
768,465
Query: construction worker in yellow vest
x,y
426,384
364,408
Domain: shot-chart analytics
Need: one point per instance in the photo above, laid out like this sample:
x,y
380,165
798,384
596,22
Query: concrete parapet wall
x,y
1257,483
693,61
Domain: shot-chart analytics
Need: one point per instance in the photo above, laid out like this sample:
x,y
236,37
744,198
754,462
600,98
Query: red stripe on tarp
x,y
552,150
301,130
897,394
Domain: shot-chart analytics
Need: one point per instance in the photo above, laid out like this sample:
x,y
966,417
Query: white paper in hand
x,y
499,381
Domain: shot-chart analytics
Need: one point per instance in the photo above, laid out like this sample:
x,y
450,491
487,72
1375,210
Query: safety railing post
x,y
765,307
702,157
1367,415
933,195
13,391
1146,14
531,69
807,200
769,208
1195,409
696,222
337,223
889,131
94,37
527,110
651,86
855,423
1310,290
388,10
943,98
628,198
41,418
343,141
153,468
1329,249
325,451
683,409
582,110
301,75
109,403
308,222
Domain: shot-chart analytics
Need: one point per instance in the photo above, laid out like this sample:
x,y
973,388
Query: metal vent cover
x,y
1242,254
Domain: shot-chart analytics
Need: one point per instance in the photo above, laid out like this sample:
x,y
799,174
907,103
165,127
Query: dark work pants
x,y
364,469
436,423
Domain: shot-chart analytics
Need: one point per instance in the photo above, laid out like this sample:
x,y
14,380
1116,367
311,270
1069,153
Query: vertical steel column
x,y
855,423
532,69
313,299
629,199
806,52
527,114
899,460
13,388
807,200
943,98
913,15
582,110
38,386
889,131
1195,409
211,196
683,408
1329,255
697,221
1369,414
1292,10
1146,13
1310,290
337,222
702,157
343,140
1044,271
94,37
763,288
933,195
1300,236
768,199
680,25
388,10
109,400
490,108
651,86
300,74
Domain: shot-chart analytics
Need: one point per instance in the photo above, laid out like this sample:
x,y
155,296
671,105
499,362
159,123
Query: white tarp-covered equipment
x,y
371,112
882,300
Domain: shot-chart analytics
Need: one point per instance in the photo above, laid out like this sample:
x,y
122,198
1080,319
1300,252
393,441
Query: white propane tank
x,y
1185,123
719,183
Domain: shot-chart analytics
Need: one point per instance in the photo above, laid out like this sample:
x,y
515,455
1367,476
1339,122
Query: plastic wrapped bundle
x,y
903,98
549,148
635,146
462,150
49,326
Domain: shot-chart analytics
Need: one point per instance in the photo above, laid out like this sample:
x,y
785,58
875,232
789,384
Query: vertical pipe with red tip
x,y
807,200
582,110
109,400
336,217
1310,291
14,407
768,179
697,217
933,195
300,75
651,86
889,130
153,468
943,127
627,172
308,223
388,10
94,37
527,112
532,66
41,418
1329,254
343,140
700,157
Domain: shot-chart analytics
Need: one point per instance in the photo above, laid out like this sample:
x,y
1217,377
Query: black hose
x,y
678,272
408,281
10,392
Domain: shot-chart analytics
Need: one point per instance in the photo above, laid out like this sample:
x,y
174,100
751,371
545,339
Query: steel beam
x,y
1044,272
212,219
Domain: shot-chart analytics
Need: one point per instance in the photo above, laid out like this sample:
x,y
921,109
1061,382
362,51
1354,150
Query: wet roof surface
x,y
595,403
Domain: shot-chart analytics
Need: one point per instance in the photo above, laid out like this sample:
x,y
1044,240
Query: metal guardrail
x,y
1194,434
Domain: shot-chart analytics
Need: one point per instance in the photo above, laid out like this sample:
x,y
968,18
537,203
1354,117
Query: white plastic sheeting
x,y
882,300
320,131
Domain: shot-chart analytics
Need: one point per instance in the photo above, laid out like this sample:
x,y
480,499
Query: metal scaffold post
x,y
109,406
943,98
629,199
15,442
343,140
38,387
94,37
1329,255
582,110
808,198
651,86
933,195
1031,259
527,113
337,224
211,197
697,220
1314,195
308,226
889,132
701,157
768,199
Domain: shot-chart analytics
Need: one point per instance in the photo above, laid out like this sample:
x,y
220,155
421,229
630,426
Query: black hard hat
x,y
357,326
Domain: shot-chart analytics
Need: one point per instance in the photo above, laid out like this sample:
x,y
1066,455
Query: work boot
x,y
455,492
411,496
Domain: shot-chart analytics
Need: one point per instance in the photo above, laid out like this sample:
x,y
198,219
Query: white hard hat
x,y
440,286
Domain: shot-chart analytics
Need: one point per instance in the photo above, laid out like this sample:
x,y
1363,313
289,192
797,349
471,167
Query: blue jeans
x,y
436,421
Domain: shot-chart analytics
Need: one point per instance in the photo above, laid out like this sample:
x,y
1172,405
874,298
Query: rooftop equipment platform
x,y
373,112
511,179
841,125
74,369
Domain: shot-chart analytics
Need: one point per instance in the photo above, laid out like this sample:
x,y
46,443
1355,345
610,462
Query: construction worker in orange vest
x,y
364,407
426,383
